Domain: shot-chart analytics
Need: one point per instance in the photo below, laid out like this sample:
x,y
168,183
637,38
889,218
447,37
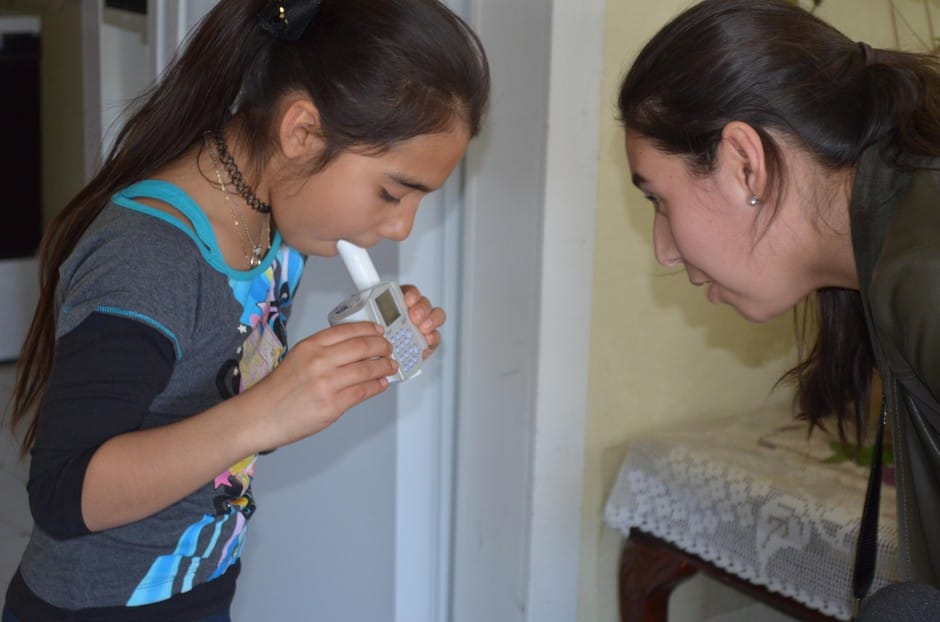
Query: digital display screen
x,y
387,307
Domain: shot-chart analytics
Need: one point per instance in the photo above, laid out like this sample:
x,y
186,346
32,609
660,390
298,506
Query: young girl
x,y
156,369
784,160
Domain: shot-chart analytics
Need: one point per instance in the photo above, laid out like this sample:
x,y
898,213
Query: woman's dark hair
x,y
379,71
786,73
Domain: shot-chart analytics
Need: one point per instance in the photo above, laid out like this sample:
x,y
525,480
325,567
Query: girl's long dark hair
x,y
777,67
379,72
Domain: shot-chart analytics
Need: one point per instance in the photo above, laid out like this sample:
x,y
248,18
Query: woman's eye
x,y
654,200
388,198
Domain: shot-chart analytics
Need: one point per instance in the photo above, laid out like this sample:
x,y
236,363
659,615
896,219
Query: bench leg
x,y
648,575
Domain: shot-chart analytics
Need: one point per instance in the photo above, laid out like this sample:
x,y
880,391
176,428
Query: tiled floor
x,y
703,599
15,521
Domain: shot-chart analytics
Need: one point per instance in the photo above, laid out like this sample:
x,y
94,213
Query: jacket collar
x,y
879,180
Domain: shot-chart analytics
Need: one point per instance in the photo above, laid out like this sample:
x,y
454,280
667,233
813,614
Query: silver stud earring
x,y
754,200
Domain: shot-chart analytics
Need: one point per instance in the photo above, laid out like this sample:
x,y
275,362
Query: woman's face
x,y
365,198
706,224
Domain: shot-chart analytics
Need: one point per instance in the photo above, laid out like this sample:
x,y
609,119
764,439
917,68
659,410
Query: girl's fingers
x,y
344,343
425,316
364,371
411,294
419,310
358,349
434,340
358,393
359,381
344,332
432,321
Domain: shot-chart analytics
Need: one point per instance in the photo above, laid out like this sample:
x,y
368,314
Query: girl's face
x,y
706,224
363,198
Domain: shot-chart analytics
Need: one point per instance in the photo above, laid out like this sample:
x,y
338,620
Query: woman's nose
x,y
664,246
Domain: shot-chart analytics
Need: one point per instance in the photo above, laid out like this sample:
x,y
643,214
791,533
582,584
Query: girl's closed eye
x,y
388,198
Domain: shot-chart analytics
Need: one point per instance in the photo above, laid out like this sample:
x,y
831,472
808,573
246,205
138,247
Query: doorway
x,y
41,39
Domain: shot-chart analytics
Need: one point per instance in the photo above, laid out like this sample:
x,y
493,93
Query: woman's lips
x,y
712,294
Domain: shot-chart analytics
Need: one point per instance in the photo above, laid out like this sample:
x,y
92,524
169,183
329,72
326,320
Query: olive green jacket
x,y
896,238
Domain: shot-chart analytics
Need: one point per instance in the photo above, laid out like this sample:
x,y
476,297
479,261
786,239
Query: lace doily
x,y
754,496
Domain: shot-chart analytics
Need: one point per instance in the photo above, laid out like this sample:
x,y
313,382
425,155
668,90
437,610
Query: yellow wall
x,y
660,354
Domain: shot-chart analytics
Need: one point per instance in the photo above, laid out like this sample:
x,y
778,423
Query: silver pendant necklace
x,y
254,252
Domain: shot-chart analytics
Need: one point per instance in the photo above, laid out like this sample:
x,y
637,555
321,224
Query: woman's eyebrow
x,y
639,181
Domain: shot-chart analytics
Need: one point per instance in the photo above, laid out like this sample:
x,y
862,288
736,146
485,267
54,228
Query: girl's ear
x,y
742,150
299,131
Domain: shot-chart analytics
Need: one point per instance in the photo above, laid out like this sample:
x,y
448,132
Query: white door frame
x,y
426,418
571,181
526,303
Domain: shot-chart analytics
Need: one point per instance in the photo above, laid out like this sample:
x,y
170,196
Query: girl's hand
x,y
426,317
320,378
137,474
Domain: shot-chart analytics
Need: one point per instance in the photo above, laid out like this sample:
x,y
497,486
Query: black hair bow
x,y
288,20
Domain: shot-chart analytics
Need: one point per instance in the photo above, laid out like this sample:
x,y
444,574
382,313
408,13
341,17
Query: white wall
x,y
18,278
124,72
322,543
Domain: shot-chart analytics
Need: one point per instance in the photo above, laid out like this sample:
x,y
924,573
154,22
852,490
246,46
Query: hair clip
x,y
288,20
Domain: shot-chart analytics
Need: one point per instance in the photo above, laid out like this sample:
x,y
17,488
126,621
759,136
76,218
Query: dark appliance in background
x,y
134,6
20,162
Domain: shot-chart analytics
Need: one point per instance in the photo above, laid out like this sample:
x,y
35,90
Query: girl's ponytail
x,y
195,93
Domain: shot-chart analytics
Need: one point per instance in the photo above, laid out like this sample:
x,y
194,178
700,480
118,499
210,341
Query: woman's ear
x,y
742,150
299,131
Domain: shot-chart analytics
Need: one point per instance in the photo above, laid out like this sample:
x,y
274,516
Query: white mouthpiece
x,y
359,265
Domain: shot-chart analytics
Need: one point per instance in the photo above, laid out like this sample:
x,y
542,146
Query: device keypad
x,y
407,352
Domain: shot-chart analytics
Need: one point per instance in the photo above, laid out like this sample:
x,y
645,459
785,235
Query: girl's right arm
x,y
134,474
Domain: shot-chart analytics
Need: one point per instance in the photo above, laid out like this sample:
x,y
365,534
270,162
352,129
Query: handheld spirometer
x,y
383,303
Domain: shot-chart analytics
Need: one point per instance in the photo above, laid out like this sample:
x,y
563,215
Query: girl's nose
x,y
401,227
